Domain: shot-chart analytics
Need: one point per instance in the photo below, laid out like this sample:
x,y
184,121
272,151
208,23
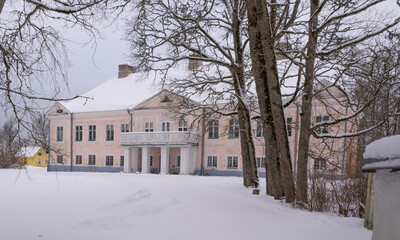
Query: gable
x,y
163,99
57,109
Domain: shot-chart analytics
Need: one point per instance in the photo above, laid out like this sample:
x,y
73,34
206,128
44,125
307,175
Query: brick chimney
x,y
124,70
194,64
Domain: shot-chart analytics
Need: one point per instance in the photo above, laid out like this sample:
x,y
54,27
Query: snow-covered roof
x,y
27,151
382,154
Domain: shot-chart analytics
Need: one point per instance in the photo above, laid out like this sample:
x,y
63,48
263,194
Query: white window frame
x,y
92,133
149,127
110,132
183,126
125,127
60,133
60,157
121,160
320,164
321,119
107,159
78,133
165,126
80,160
213,129
233,128
212,159
233,158
259,129
94,159
289,128
260,162
39,161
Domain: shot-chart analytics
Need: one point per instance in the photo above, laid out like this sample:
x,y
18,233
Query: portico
x,y
142,148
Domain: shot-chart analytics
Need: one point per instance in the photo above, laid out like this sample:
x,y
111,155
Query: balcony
x,y
158,138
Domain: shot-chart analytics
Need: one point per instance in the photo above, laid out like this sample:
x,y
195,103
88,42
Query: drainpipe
x,y
72,138
344,142
202,144
296,137
129,112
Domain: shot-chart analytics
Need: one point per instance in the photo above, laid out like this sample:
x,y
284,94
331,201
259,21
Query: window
x,y
109,160
78,133
178,161
60,159
39,154
233,128
289,122
165,126
25,161
151,160
92,132
149,127
182,126
121,161
109,132
92,160
320,119
40,161
125,127
213,128
78,159
319,164
60,134
259,129
260,162
232,162
212,161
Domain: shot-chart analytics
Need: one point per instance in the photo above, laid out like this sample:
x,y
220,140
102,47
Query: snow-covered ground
x,y
47,205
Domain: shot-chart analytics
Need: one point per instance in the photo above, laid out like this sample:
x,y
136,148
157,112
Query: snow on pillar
x,y
135,160
145,160
127,160
184,169
164,160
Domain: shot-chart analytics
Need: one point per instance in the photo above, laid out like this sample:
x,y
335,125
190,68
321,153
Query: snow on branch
x,y
355,134
66,7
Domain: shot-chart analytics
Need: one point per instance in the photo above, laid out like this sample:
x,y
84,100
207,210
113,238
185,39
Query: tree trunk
x,y
260,36
250,176
306,106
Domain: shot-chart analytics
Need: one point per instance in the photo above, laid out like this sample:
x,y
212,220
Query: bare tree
x,y
10,144
40,130
210,32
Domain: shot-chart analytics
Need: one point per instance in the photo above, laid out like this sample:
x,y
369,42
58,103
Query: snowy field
x,y
73,206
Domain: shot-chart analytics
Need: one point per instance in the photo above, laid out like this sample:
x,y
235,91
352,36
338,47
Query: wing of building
x,y
130,124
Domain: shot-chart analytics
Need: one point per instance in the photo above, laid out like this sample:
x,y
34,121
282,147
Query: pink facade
x,y
150,137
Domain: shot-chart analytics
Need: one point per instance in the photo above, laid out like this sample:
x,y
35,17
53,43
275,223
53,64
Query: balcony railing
x,y
159,138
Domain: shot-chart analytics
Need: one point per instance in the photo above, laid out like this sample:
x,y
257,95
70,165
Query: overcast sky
x,y
90,67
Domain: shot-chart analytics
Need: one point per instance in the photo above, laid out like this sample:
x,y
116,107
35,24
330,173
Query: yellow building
x,y
34,156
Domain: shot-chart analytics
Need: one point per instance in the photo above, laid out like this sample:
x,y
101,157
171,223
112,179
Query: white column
x,y
164,160
192,159
145,160
184,169
127,160
135,160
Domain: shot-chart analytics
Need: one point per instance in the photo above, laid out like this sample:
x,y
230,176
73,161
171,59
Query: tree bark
x,y
306,107
261,36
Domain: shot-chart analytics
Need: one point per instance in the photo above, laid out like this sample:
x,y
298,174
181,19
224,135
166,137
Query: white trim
x,y
212,167
105,160
226,165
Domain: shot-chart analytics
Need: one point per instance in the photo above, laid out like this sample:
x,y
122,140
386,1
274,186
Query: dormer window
x,y
59,111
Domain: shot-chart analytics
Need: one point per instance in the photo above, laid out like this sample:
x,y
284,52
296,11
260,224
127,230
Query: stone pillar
x,y
184,160
145,160
164,160
135,160
192,159
127,160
